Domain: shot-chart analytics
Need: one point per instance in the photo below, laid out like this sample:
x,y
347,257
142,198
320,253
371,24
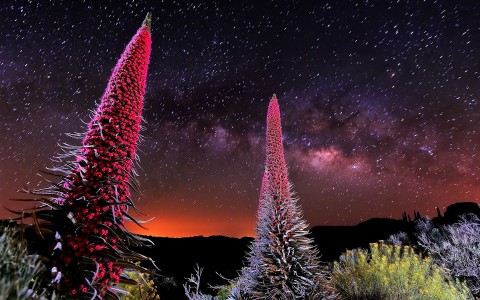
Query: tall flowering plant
x,y
282,263
79,226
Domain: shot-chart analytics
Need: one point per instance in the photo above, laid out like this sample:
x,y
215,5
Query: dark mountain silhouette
x,y
177,257
454,211
452,214
332,241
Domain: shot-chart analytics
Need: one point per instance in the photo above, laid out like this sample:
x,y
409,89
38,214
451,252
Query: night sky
x,y
380,103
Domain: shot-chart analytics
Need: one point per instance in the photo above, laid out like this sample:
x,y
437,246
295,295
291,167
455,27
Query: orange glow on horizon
x,y
177,226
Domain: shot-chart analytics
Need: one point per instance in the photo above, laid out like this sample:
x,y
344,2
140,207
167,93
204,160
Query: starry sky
x,y
379,99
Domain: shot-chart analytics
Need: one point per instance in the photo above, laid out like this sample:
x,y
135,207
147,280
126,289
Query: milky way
x,y
380,103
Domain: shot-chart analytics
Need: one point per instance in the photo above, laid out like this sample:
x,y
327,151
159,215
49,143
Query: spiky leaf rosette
x,y
81,223
251,272
282,263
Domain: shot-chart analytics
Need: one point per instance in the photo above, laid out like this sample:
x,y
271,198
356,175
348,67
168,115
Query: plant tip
x,y
148,20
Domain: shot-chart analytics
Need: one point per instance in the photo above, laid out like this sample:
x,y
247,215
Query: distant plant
x,y
192,286
18,270
282,263
399,239
388,272
165,284
79,226
456,247
225,291
145,288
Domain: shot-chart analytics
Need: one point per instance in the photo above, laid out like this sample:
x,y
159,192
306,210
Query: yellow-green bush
x,y
145,290
225,291
393,273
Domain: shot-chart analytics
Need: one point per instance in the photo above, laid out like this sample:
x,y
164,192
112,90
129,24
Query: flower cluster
x,y
275,163
282,261
83,215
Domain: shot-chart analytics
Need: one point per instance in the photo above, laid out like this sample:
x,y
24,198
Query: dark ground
x,y
177,257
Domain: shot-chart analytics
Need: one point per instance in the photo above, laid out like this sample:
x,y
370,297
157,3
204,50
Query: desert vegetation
x,y
19,270
393,272
282,263
455,246
77,246
143,288
78,225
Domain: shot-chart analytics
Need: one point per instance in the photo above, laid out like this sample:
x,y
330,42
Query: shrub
x,y
225,291
18,270
144,289
394,273
192,287
455,247
400,239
